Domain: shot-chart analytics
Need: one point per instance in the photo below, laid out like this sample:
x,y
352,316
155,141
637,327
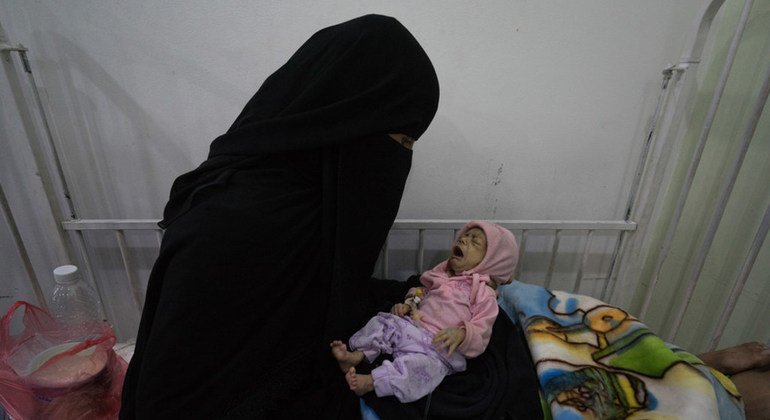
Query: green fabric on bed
x,y
595,360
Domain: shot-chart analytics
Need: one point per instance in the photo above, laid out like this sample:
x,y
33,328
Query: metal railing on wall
x,y
422,227
694,271
677,107
47,163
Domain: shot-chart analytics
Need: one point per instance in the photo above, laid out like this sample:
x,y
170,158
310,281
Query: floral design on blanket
x,y
595,360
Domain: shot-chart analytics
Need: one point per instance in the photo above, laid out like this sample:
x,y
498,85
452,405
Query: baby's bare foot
x,y
739,358
345,358
360,384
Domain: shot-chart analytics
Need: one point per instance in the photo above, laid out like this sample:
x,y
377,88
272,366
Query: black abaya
x,y
269,244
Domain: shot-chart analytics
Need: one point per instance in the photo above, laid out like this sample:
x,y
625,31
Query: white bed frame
x,y
600,247
421,230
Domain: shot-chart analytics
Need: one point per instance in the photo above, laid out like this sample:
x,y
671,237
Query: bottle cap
x,y
66,274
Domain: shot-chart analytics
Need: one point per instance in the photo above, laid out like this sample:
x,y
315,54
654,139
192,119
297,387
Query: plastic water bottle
x,y
75,304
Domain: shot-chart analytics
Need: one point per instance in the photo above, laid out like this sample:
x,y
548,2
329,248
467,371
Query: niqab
x,y
348,81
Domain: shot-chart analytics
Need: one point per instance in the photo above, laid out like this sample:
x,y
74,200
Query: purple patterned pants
x,y
417,367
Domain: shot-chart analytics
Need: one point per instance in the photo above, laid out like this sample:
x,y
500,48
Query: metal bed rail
x,y
693,272
523,228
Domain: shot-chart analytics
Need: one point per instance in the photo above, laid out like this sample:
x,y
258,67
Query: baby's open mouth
x,y
457,252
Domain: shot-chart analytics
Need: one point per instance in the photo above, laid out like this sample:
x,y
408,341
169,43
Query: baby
x,y
439,325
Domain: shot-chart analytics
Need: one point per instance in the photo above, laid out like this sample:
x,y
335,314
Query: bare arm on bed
x,y
749,367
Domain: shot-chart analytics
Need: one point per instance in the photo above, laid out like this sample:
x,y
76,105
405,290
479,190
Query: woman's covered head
x,y
324,119
347,82
485,248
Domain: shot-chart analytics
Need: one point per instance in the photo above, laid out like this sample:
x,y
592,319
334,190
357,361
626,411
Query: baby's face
x,y
468,251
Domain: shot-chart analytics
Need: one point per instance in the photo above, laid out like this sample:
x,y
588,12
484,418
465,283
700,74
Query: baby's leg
x,y
739,358
360,384
345,358
410,376
378,335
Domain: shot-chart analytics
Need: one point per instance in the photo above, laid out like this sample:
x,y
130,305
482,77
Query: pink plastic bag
x,y
45,376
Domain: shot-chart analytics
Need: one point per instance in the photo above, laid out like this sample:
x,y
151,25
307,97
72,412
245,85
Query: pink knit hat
x,y
502,251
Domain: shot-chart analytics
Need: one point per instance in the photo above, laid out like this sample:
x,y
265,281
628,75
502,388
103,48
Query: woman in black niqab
x,y
270,243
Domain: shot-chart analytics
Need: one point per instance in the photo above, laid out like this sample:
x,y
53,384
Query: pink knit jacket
x,y
465,300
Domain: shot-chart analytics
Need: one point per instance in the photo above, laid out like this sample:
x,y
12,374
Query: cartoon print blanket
x,y
596,361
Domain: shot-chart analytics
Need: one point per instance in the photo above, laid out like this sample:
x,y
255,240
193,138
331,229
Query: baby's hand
x,y
400,309
449,338
416,314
